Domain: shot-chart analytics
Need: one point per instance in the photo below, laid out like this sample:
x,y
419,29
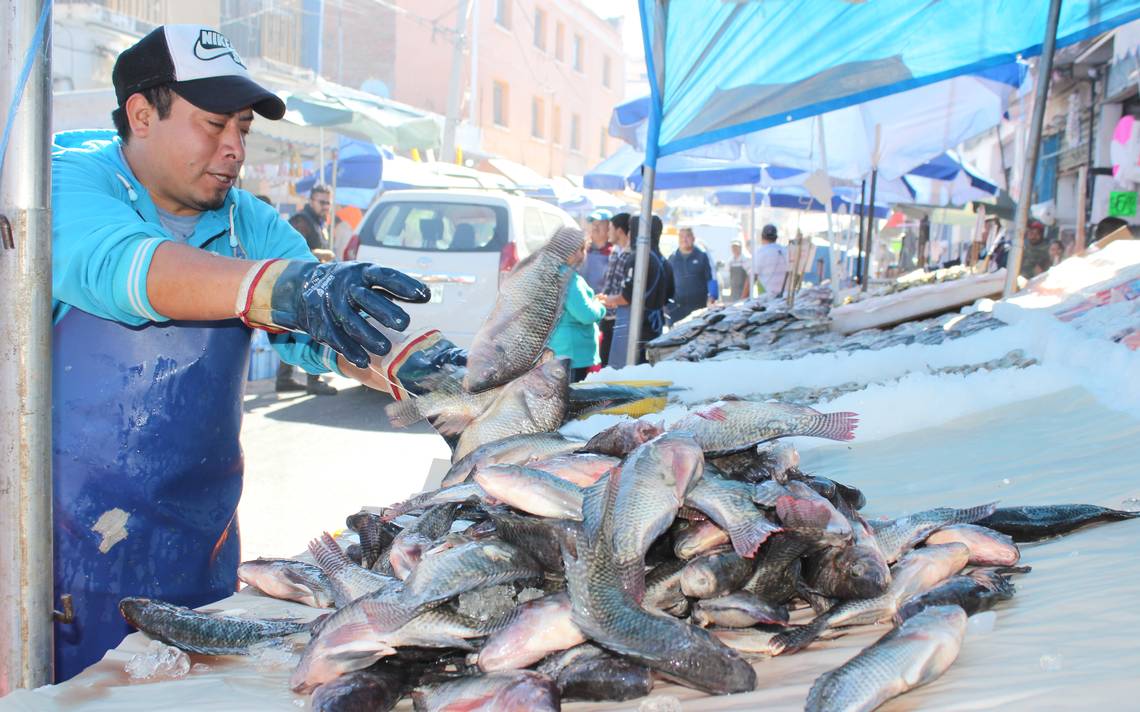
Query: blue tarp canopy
x,y
791,198
623,170
722,69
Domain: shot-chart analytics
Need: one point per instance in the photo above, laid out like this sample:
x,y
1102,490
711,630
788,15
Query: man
x,y
770,263
160,268
593,268
692,277
739,273
619,261
658,290
310,222
1035,254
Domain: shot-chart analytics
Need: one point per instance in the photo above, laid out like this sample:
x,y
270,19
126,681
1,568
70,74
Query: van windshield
x,y
446,227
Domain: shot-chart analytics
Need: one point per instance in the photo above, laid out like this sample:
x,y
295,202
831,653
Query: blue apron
x,y
147,470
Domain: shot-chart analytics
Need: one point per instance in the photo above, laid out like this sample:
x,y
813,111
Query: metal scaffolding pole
x,y
1033,148
25,355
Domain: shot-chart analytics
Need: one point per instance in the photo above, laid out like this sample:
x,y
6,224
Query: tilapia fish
x,y
715,574
514,450
533,491
532,403
731,424
623,438
202,633
349,581
663,588
987,547
288,580
589,398
450,572
897,536
1041,522
858,570
738,610
975,592
582,469
729,504
492,692
763,462
610,616
645,495
410,544
917,572
447,406
586,672
375,534
536,629
915,653
376,689
513,336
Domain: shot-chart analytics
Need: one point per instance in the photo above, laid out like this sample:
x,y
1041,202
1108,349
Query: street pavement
x,y
312,460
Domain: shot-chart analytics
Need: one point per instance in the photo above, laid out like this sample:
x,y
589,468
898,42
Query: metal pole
x,y
830,230
473,100
330,224
862,213
649,174
871,229
447,150
751,233
25,358
1082,209
1044,72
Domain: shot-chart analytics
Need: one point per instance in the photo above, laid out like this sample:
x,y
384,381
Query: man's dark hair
x,y
655,230
621,221
160,97
1107,226
319,189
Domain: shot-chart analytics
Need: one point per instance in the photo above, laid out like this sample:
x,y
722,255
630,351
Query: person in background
x,y
1035,253
310,222
593,268
693,282
657,293
1107,226
619,259
770,263
1056,253
739,273
575,336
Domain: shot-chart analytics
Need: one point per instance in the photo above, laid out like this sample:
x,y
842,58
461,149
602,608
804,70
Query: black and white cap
x,y
199,64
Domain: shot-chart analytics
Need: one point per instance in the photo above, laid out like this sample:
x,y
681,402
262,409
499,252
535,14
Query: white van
x,y
458,241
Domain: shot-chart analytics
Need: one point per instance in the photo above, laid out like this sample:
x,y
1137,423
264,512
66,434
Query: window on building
x,y
540,29
556,124
537,111
499,100
602,142
606,71
575,133
576,53
560,42
503,12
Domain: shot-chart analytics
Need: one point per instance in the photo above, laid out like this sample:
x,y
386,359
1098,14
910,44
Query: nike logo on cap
x,y
211,45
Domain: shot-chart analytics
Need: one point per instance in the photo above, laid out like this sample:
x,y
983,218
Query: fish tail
x,y
796,639
833,426
747,539
970,515
329,556
404,413
1118,515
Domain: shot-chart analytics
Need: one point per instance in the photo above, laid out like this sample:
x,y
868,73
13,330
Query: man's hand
x,y
326,301
324,255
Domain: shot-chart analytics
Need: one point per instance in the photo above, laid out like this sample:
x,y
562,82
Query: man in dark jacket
x,y
658,291
692,277
310,222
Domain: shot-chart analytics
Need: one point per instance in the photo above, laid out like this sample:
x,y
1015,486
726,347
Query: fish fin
x,y
731,397
404,413
329,556
810,513
714,413
595,503
796,639
833,426
969,515
747,538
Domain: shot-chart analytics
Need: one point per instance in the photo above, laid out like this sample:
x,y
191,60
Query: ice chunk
x,y
1132,504
981,623
1052,662
662,703
529,594
274,655
159,661
487,603
200,668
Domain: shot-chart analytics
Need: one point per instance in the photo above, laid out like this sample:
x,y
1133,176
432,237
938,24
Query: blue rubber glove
x,y
329,301
421,365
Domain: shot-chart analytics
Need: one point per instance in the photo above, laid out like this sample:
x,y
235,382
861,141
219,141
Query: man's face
x,y
735,250
192,158
320,203
1034,235
685,239
599,232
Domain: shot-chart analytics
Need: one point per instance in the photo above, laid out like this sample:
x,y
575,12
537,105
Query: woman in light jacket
x,y
575,335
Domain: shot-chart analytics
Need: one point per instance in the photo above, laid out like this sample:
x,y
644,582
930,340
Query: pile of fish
x,y
547,569
767,328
